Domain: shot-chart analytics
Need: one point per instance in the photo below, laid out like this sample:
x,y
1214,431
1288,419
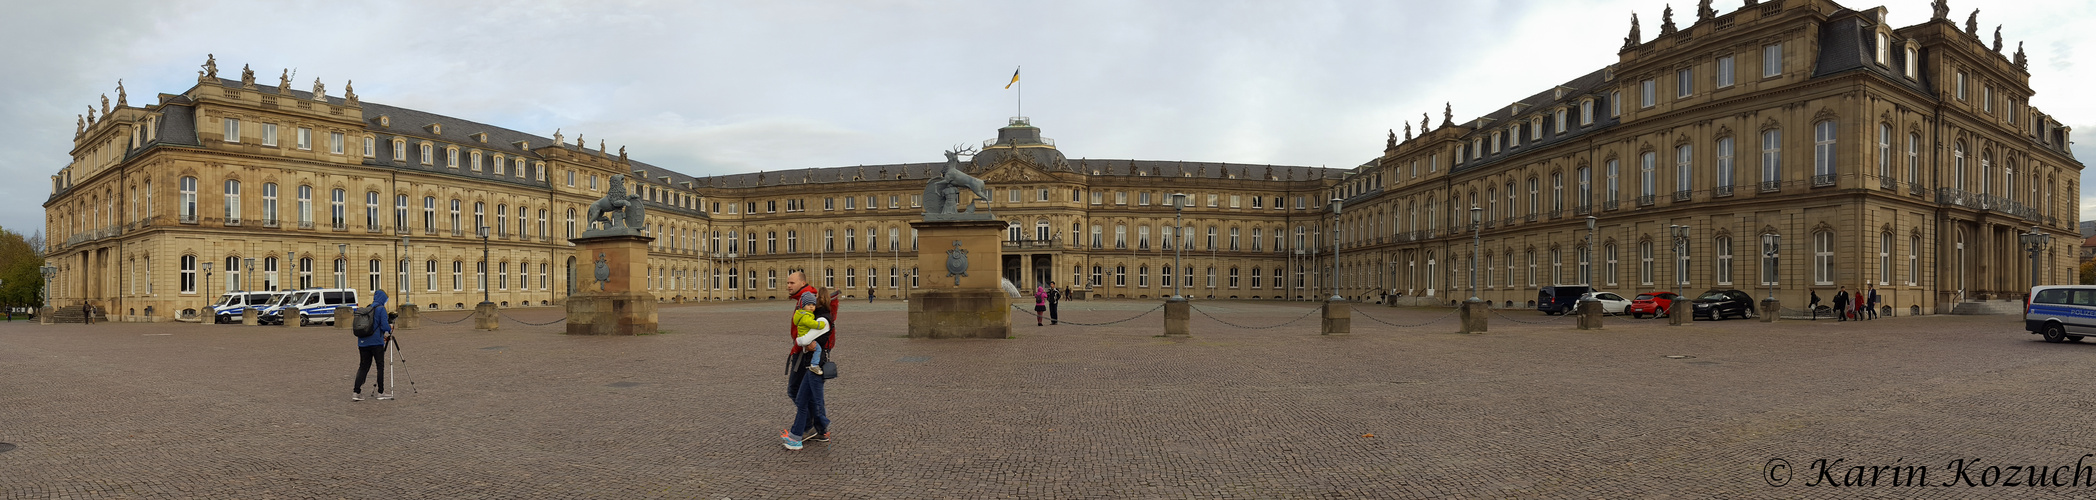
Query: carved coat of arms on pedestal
x,y
957,262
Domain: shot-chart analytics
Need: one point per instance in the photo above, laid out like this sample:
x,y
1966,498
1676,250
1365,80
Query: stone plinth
x,y
248,317
344,316
1769,309
1177,316
1474,312
484,317
1338,318
1590,315
43,315
410,317
1676,316
968,304
618,303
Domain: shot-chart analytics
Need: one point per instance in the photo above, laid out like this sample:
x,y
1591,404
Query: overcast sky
x,y
723,87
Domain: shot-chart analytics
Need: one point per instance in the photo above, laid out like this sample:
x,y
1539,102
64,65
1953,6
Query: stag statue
x,y
943,194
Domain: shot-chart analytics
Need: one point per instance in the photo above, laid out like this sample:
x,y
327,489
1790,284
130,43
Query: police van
x,y
2061,312
314,306
233,305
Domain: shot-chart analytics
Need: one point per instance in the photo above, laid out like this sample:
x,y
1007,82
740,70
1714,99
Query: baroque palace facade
x,y
1803,145
1904,158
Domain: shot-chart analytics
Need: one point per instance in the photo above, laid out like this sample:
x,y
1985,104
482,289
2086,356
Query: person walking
x,y
371,349
811,421
1874,302
1055,296
1861,310
1841,303
1814,306
1040,304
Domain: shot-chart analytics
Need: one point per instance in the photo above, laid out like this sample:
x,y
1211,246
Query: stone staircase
x,y
69,314
1989,307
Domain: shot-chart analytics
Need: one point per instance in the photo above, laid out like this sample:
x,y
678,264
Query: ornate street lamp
x,y
2035,242
1680,246
1334,280
484,266
1477,239
1178,235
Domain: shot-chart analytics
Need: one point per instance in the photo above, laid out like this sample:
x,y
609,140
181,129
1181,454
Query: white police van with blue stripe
x,y
2061,312
314,306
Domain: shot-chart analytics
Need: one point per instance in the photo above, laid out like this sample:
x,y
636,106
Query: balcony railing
x,y
1888,184
1771,186
188,218
1914,188
1610,205
458,232
1644,200
1583,209
269,223
1725,190
1530,218
1510,220
305,224
232,221
340,226
1683,195
1823,180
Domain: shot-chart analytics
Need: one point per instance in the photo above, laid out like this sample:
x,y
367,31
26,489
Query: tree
x,y
2087,272
21,276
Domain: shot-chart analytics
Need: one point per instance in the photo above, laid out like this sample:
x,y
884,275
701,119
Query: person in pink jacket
x,y
1040,304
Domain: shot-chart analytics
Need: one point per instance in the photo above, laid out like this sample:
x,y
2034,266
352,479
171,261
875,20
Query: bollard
x,y
1676,316
288,316
1769,309
43,315
1590,315
1339,318
1176,316
484,317
410,317
344,317
1474,312
249,318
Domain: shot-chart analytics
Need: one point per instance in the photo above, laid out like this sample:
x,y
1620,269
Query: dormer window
x,y
1884,50
481,137
1514,136
1913,58
474,160
500,163
385,121
1559,114
400,150
1535,128
1586,111
436,128
1495,142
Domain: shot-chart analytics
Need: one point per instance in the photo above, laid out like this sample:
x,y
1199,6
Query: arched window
x,y
1684,174
1957,165
1586,189
232,213
1884,149
1647,182
1914,159
571,223
189,201
336,216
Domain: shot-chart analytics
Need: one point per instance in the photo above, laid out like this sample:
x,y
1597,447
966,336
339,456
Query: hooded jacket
x,y
381,326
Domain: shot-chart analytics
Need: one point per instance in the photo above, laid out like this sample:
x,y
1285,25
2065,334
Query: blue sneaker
x,y
790,443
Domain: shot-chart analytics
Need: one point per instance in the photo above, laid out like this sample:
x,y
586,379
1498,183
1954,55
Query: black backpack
x,y
362,326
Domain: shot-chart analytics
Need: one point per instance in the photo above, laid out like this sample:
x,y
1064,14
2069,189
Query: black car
x,y
1559,299
1717,304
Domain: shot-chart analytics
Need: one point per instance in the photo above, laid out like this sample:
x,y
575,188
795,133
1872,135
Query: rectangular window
x,y
1615,103
1724,71
370,147
305,139
232,131
1647,90
1771,60
269,134
1684,82
335,142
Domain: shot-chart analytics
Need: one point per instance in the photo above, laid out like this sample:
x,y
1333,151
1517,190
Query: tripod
x,y
390,354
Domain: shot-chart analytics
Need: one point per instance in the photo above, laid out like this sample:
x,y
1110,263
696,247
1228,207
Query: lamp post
x,y
249,263
2035,242
1334,280
49,272
1680,245
1477,239
342,263
1178,234
291,259
484,266
207,289
407,294
1593,225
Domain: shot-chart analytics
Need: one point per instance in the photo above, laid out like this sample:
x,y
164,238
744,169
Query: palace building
x,y
1786,148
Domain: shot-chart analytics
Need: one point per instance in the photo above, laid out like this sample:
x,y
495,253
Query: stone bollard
x,y
1474,312
249,317
345,316
43,315
288,317
1769,309
1590,315
1176,316
484,317
410,317
1339,318
1676,316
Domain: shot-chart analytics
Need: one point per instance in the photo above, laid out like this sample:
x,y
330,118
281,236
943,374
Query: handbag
x,y
829,368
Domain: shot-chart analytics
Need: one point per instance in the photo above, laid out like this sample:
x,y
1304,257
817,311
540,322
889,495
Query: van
x,y
233,305
316,306
1561,298
2060,312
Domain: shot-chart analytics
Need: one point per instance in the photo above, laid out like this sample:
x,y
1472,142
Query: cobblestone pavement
x,y
1528,410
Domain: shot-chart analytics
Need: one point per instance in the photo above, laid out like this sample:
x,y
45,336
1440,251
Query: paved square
x,y
1528,410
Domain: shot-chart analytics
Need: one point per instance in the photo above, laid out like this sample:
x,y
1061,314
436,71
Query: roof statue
x,y
247,77
1704,12
600,146
1997,39
90,114
622,153
1448,114
284,82
1392,141
1942,8
121,101
1633,39
631,215
579,143
1666,21
1269,172
79,125
349,92
1972,23
105,104
319,90
2021,61
942,195
1408,131
210,71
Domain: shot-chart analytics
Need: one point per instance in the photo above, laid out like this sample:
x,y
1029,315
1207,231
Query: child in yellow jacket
x,y
810,327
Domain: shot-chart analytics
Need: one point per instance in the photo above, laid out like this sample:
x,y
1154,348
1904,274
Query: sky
x,y
703,87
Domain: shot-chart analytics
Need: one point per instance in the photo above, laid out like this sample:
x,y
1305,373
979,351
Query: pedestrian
x,y
371,349
1841,303
811,421
1055,296
810,327
1814,307
1861,309
1874,302
1040,303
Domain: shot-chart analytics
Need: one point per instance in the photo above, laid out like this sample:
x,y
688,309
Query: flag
x,y
1015,78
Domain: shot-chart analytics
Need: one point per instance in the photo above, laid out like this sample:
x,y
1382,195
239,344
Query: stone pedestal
x,y
43,315
1177,315
616,303
1770,308
969,303
249,318
1590,315
344,316
1676,316
1338,318
1474,312
288,316
484,317
410,317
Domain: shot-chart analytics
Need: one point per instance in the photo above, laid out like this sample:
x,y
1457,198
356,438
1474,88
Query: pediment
x,y
1013,171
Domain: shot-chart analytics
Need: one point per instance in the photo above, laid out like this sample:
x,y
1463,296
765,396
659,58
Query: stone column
x,y
1177,315
1770,307
1474,316
484,317
1590,315
344,315
410,317
1338,318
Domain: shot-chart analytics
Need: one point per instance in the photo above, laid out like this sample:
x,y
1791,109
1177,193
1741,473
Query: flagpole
x,y
1022,92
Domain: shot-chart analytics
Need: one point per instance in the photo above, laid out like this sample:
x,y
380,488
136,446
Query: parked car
x,y
1654,303
1559,299
2061,312
1610,302
1718,304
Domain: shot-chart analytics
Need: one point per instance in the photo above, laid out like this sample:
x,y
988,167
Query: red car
x,y
1655,303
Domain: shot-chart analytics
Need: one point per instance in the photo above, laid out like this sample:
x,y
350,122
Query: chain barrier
x,y
506,316
452,322
1451,312
1037,315
1220,320
1560,317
